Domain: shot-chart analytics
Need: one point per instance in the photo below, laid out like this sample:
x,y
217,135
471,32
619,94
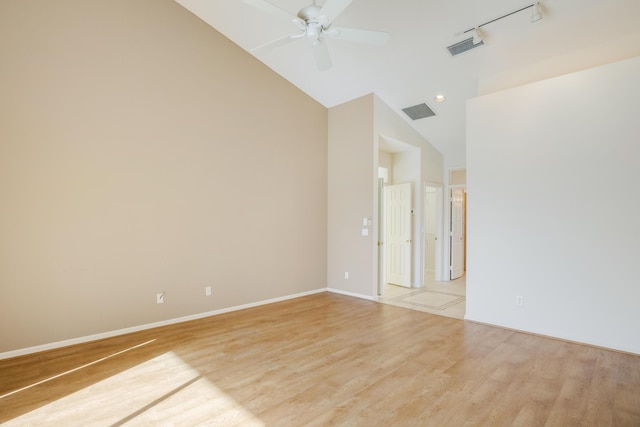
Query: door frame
x,y
380,239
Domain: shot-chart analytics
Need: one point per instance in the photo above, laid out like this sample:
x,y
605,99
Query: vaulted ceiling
x,y
415,65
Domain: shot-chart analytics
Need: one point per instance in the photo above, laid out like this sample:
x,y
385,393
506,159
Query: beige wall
x,y
352,173
140,152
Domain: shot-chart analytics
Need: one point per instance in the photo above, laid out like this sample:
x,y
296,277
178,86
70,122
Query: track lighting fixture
x,y
535,16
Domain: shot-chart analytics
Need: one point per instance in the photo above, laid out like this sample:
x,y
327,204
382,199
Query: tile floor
x,y
442,298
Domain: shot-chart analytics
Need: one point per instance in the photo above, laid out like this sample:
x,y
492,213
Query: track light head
x,y
477,36
535,12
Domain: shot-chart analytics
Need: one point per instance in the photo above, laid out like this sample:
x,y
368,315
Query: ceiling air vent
x,y
419,111
463,46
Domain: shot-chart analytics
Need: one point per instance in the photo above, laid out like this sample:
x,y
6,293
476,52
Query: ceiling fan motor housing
x,y
312,15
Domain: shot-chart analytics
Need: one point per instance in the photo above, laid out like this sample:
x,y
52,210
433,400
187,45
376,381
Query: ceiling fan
x,y
314,22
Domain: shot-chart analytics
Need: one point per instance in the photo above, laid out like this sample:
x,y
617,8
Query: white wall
x,y
385,160
552,207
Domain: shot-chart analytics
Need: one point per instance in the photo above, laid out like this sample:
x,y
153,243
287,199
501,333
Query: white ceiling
x,y
415,65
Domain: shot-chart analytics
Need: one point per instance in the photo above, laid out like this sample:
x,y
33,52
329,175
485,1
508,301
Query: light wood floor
x,y
322,360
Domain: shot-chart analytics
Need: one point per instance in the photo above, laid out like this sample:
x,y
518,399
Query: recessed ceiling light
x,y
439,98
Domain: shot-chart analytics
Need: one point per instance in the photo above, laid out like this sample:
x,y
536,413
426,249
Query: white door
x,y
433,235
398,244
430,231
457,233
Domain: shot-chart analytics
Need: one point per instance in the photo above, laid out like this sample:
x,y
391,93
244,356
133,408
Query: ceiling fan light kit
x,y
314,22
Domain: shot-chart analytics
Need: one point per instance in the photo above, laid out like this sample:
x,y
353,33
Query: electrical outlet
x,y
160,298
519,300
207,291
346,274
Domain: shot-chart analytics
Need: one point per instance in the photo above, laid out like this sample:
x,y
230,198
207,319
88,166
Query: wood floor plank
x,y
323,360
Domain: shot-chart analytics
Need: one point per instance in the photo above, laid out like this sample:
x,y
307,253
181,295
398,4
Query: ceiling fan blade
x,y
321,53
270,8
359,36
333,8
302,26
277,43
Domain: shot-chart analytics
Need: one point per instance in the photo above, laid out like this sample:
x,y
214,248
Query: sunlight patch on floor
x,y
162,391
75,369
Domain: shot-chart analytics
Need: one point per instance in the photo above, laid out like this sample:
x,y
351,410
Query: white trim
x,y
564,337
351,294
94,337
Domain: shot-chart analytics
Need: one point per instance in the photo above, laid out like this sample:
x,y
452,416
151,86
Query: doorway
x,y
400,163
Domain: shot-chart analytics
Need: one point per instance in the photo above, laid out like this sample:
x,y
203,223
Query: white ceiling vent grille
x,y
463,46
419,111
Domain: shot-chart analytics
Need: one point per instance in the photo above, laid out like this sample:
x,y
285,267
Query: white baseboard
x,y
351,294
94,337
566,338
